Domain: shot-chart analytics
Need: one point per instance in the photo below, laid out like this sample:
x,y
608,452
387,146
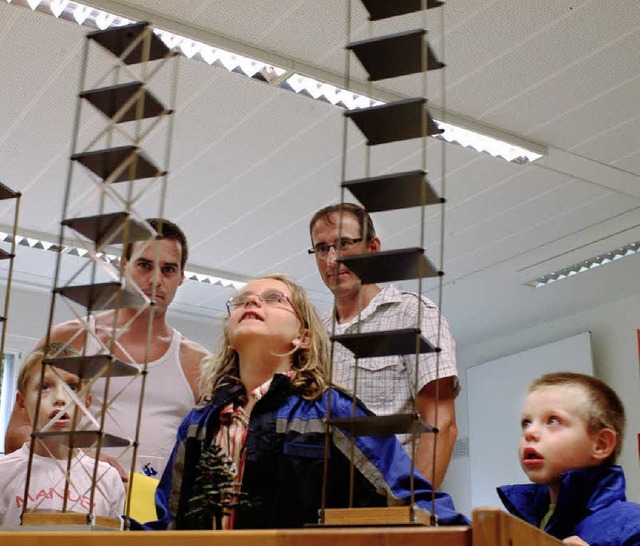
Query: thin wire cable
x,y
152,309
443,170
67,194
343,170
5,314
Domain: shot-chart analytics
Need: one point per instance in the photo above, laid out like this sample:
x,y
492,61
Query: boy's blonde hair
x,y
311,364
33,361
605,409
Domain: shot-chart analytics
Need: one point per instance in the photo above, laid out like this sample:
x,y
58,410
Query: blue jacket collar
x,y
582,492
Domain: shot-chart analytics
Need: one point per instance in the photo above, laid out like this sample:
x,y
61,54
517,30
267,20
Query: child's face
x,y
276,321
554,436
53,399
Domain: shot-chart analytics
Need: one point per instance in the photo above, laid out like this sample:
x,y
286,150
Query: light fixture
x,y
214,56
586,265
455,134
42,244
469,134
484,143
328,93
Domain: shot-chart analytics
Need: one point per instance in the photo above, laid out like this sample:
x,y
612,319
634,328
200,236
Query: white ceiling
x,y
251,163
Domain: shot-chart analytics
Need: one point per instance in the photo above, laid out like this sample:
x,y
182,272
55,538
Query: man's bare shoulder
x,y
191,355
192,351
70,331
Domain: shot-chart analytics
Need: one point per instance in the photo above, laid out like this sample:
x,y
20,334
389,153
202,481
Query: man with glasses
x,y
387,385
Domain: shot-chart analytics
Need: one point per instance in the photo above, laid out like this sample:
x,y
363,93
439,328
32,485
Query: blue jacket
x,y
284,467
591,504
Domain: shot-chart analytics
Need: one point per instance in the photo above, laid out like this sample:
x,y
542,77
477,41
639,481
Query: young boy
x,y
572,431
51,455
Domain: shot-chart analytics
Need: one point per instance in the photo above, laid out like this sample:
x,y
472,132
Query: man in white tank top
x,y
173,362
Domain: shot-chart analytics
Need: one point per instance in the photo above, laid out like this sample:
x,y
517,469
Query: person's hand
x,y
574,541
111,460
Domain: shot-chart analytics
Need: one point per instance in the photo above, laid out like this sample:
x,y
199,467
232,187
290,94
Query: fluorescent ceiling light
x,y
328,93
214,56
468,137
483,143
454,134
586,265
212,279
41,244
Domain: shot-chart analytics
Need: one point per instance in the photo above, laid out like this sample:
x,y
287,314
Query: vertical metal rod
x,y
5,313
443,178
343,171
67,194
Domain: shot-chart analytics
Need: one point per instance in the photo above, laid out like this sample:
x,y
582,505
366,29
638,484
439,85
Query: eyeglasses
x,y
270,297
321,250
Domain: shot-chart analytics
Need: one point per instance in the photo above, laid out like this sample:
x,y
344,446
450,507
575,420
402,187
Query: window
x,y
8,382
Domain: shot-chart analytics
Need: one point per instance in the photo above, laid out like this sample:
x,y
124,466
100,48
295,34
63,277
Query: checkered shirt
x,y
387,384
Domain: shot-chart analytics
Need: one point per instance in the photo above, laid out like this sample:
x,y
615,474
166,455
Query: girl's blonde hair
x,y
311,364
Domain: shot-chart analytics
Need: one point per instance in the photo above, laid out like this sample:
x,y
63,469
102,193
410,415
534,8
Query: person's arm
x,y
447,427
113,461
384,464
574,541
191,355
18,430
436,370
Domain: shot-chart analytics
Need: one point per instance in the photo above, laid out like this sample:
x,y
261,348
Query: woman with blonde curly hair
x,y
252,453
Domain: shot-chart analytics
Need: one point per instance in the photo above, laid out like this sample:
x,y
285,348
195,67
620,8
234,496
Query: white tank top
x,y
168,398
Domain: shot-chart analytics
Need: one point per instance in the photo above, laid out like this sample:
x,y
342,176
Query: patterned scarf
x,y
234,428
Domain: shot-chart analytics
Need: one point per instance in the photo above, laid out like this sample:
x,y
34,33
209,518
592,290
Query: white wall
x,y
495,394
28,318
615,360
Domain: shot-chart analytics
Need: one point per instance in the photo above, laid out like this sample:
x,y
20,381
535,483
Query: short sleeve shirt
x,y
389,385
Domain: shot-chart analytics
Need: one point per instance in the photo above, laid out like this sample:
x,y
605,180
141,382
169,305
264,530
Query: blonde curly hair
x,y
310,364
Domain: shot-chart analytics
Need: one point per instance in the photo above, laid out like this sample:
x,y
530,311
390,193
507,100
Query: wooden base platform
x,y
388,515
68,519
491,527
360,536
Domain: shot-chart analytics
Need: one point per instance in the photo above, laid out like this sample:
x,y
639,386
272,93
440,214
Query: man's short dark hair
x,y
362,216
166,230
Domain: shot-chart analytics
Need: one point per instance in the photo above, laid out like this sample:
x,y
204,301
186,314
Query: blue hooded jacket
x,y
284,466
591,504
